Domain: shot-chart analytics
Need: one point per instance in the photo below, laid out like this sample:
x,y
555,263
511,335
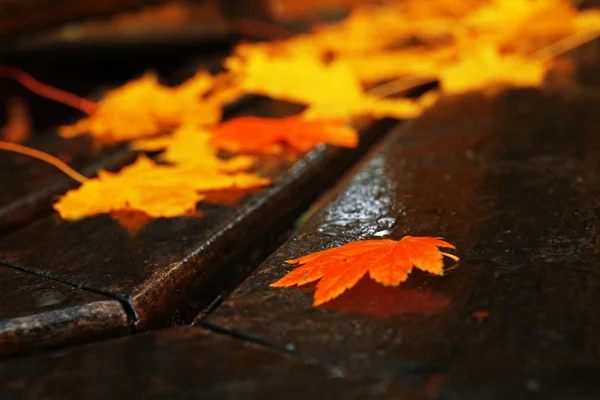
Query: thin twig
x,y
564,45
40,155
398,86
47,91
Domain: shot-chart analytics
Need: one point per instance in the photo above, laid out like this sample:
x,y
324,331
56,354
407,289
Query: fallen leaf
x,y
190,146
331,91
154,189
519,25
144,108
259,135
298,77
387,261
486,68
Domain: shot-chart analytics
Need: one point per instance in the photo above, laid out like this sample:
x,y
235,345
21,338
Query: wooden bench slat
x,y
513,182
180,363
36,313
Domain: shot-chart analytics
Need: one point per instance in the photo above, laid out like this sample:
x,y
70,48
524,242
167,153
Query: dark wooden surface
x,y
37,313
169,260
511,179
513,182
180,363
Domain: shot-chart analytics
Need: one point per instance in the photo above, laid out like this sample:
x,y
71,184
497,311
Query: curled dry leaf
x,y
259,135
387,261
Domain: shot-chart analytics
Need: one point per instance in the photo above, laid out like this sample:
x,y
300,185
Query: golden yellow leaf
x,y
588,21
332,91
190,146
485,68
519,25
144,107
299,77
156,190
413,62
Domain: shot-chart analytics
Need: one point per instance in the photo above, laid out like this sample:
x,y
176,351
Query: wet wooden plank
x,y
33,185
513,182
37,313
180,363
167,260
30,185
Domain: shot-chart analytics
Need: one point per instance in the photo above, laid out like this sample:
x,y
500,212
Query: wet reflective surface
x,y
512,181
158,267
180,363
36,313
372,299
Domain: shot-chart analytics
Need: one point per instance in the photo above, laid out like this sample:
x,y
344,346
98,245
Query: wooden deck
x,y
511,179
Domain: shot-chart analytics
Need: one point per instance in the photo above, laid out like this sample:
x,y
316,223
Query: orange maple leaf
x,y
258,135
387,261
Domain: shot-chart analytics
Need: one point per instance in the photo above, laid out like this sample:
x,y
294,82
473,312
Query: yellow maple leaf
x,y
144,107
190,146
332,91
412,62
487,68
300,78
519,25
125,191
588,21
154,189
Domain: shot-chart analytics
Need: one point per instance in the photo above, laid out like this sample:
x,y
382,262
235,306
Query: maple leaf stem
x,y
452,256
565,44
40,155
398,86
47,91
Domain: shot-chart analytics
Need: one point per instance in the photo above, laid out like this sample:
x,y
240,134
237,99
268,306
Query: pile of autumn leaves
x,y
464,45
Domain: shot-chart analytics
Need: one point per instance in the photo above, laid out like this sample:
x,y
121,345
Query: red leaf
x,y
387,261
259,135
